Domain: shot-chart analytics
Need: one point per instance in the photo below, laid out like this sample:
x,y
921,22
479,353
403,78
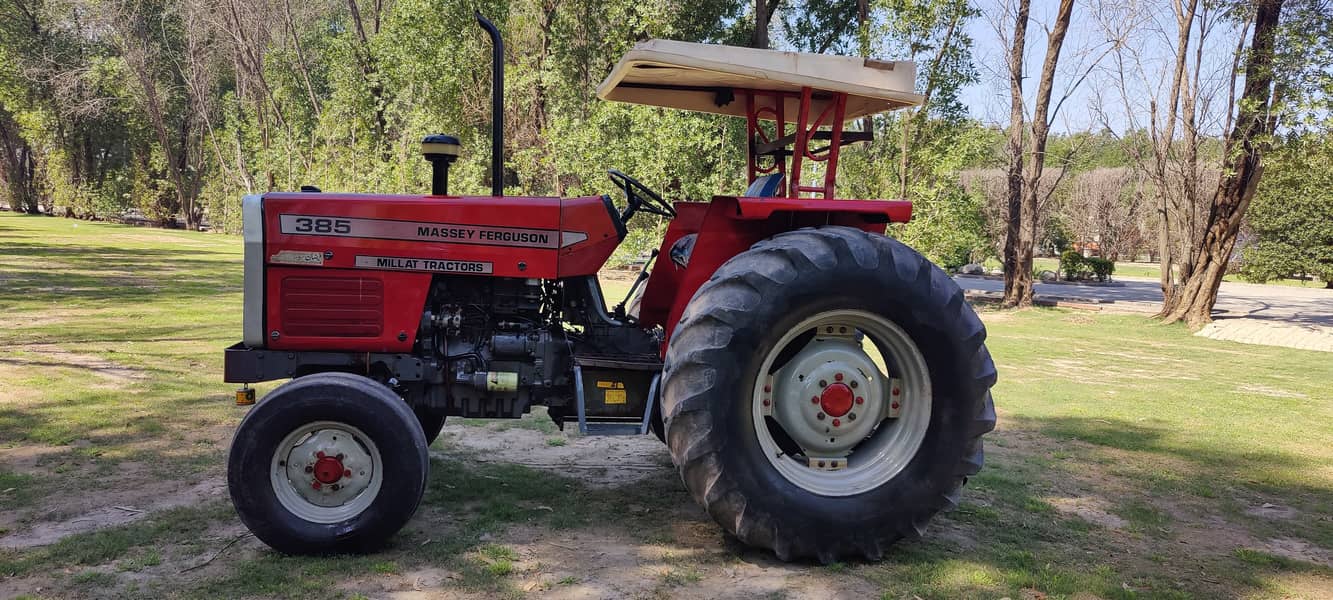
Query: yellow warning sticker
x,y
615,396
611,385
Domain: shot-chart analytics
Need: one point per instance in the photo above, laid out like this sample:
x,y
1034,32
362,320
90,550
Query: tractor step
x,y
615,395
595,428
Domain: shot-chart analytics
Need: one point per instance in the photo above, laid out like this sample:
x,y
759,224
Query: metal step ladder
x,y
613,425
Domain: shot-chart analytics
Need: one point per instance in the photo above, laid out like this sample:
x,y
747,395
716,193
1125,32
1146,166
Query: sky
x,y
1147,29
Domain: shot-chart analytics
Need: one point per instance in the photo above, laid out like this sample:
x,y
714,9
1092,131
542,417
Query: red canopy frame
x,y
771,105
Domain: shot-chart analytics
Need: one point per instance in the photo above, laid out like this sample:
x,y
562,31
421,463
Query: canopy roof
x,y
703,77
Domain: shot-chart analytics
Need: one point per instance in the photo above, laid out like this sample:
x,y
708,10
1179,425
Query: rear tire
x,y
328,463
734,324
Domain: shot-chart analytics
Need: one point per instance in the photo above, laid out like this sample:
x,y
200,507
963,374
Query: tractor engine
x,y
492,347
498,346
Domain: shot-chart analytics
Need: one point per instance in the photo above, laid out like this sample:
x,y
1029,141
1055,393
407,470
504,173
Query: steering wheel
x,y
639,197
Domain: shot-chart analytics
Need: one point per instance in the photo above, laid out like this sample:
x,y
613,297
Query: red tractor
x,y
822,388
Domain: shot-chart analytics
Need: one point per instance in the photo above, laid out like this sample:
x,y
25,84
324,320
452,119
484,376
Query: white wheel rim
x,y
303,476
892,435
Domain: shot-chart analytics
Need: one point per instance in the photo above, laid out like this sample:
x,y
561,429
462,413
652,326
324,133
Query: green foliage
x,y
1071,264
1075,267
1292,213
1101,268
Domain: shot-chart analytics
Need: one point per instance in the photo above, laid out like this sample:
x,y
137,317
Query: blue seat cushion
x,y
767,186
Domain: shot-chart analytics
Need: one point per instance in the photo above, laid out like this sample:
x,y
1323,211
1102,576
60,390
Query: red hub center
x,y
836,400
328,469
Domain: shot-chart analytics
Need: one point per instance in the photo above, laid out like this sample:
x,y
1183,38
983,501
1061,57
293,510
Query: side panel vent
x,y
332,306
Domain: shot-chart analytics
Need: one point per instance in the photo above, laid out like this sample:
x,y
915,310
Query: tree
x,y
1242,166
1291,216
1024,189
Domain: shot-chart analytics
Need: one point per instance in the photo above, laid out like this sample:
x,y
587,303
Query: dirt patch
x,y
1298,550
1091,509
606,564
1268,510
1272,392
125,500
595,460
51,355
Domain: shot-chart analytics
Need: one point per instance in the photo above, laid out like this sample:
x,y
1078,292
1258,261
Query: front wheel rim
x,y
326,472
847,407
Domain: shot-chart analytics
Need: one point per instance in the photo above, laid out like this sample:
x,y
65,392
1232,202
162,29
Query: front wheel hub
x,y
326,472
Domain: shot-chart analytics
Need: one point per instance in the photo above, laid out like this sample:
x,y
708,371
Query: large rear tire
x,y
328,463
795,472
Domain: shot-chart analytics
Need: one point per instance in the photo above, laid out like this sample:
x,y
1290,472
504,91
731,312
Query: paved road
x,y
1277,315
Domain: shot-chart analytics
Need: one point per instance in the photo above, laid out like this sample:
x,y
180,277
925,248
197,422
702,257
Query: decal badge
x,y
387,229
294,257
399,263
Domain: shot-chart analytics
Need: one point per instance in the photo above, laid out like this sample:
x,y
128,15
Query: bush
x,y
1071,264
1101,267
1077,267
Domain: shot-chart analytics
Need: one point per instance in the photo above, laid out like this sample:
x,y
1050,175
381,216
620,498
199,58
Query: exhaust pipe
x,y
497,106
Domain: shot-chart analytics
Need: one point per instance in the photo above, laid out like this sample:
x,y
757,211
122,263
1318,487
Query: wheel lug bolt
x,y
837,376
837,423
766,402
821,464
851,416
897,391
853,384
820,416
823,383
336,487
340,456
860,400
319,454
309,469
347,473
316,485
814,400
895,405
768,388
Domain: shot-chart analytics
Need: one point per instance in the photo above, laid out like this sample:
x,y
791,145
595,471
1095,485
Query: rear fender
x,y
728,226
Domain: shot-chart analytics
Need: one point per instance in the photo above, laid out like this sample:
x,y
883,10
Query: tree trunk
x,y
762,15
17,170
1027,232
1242,168
1014,148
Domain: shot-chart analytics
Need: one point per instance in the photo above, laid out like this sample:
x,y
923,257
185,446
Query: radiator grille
x,y
332,306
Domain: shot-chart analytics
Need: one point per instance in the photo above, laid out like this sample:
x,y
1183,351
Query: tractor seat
x,y
768,186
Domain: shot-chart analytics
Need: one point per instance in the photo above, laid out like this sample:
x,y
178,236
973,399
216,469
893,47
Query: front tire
x,y
762,454
328,463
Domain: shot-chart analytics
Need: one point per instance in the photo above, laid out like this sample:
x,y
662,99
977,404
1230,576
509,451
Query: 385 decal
x,y
320,225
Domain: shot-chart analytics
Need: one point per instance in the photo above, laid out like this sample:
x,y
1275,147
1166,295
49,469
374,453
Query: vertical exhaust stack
x,y
441,150
497,106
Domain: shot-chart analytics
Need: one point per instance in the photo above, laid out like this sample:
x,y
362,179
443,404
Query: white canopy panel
x,y
701,77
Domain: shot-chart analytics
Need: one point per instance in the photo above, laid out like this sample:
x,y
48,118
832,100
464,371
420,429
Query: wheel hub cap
x,y
328,469
836,400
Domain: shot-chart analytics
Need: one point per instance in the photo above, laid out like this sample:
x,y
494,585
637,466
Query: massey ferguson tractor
x,y
822,388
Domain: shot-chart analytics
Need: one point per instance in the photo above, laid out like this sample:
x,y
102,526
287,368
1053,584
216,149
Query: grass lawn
x,y
1132,460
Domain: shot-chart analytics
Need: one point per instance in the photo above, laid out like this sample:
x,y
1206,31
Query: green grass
x,y
112,340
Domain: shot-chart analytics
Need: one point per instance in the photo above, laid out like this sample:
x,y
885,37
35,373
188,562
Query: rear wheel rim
x,y
326,472
853,368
